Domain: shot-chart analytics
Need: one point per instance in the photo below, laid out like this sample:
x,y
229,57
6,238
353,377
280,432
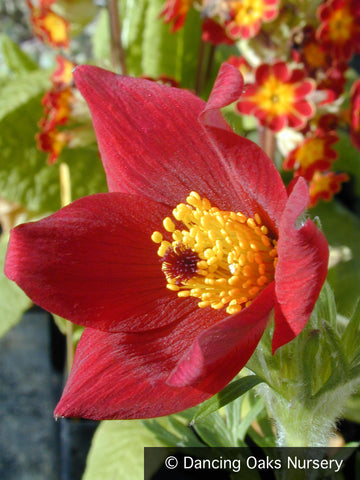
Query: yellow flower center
x,y
248,11
310,152
314,56
56,27
222,258
275,97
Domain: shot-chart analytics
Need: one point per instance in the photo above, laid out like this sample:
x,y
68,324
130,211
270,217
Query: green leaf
x,y
25,177
17,92
252,415
350,338
232,391
16,60
349,159
214,431
173,431
117,450
164,53
13,301
101,39
341,228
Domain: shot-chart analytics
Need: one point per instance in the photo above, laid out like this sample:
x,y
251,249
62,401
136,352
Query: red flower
x,y
248,15
314,153
215,33
149,350
175,12
62,76
325,185
47,25
278,98
52,141
339,30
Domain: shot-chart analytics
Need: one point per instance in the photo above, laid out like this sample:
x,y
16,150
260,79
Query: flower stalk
x,y
65,199
117,50
309,381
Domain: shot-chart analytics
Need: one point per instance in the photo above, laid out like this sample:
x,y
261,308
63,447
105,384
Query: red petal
x,y
281,71
227,89
276,123
124,375
150,140
303,89
295,121
301,269
262,73
226,345
253,176
305,108
245,107
94,263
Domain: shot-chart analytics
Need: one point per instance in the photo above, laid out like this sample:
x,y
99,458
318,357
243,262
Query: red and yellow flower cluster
x,y
226,21
57,103
297,88
47,25
279,97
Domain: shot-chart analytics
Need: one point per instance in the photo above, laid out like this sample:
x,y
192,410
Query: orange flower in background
x,y
325,185
63,76
320,64
278,97
51,28
175,12
57,104
241,64
339,30
248,15
215,33
315,153
52,141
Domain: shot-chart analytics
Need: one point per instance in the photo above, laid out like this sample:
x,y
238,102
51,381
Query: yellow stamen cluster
x,y
236,255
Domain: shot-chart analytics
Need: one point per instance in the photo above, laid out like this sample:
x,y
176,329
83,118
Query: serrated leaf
x,y
13,301
117,450
19,91
228,394
16,60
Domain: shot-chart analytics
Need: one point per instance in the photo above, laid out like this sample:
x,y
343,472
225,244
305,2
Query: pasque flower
x,y
175,271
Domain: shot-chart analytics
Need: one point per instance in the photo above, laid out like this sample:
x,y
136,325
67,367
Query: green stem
x,y
117,51
65,199
267,142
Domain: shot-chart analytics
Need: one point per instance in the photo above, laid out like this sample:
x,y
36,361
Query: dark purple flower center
x,y
180,263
